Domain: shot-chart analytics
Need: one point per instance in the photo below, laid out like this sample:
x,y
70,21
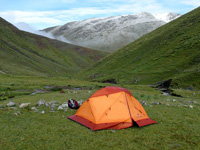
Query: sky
x,y
41,14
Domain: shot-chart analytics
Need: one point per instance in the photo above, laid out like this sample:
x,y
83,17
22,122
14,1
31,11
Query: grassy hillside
x,y
170,52
23,53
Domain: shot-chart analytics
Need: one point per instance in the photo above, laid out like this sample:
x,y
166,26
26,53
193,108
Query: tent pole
x,y
128,107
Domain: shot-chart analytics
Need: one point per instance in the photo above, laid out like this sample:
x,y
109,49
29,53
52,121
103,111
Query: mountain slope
x,y
107,34
170,52
24,53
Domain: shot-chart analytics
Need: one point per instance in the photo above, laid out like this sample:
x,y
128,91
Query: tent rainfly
x,y
111,108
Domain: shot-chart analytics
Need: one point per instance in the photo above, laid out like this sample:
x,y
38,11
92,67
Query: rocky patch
x,y
42,106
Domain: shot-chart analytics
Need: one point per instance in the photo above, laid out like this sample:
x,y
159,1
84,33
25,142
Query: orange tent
x,y
111,108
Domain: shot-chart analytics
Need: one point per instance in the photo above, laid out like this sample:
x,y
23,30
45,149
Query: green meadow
x,y
177,117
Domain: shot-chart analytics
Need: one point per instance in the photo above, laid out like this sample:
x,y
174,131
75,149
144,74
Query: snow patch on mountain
x,y
167,17
107,33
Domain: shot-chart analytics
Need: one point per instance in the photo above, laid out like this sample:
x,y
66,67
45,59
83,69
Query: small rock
x,y
1,106
173,100
24,105
165,93
89,91
34,108
32,93
47,87
167,104
80,102
53,102
64,107
168,99
47,104
156,103
11,104
36,91
194,102
60,108
113,131
53,106
41,102
17,113
191,106
42,112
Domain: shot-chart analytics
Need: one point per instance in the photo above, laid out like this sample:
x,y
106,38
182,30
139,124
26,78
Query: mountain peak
x,y
98,33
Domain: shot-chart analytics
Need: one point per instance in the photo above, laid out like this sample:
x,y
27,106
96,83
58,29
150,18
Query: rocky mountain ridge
x,y
110,33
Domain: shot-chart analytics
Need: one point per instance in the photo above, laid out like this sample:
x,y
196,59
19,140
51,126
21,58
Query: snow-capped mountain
x,y
107,34
167,17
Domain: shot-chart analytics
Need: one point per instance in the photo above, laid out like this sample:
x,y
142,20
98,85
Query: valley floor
x,y
177,117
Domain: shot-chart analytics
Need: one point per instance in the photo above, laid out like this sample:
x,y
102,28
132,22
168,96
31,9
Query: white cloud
x,y
28,28
32,17
42,19
194,3
59,17
69,1
29,17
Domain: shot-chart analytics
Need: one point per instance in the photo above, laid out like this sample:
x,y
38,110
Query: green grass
x,y
25,85
177,128
169,52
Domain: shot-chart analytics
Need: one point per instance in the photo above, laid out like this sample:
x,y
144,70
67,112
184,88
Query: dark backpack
x,y
73,104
